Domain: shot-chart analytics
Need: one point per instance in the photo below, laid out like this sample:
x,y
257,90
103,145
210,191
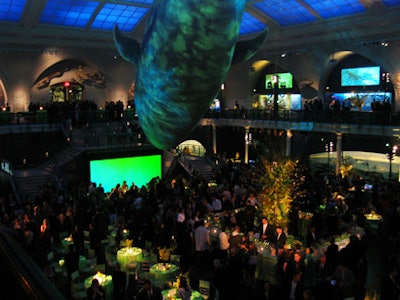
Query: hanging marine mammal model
x,y
185,55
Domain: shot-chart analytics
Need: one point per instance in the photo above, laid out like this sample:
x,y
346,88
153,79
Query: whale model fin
x,y
151,22
246,49
127,47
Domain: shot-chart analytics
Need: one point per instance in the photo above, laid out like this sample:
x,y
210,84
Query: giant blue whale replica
x,y
184,57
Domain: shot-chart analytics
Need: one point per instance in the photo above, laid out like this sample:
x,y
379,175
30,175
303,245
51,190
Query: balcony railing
x,y
322,116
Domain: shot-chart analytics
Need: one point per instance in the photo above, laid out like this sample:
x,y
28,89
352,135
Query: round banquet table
x,y
66,242
164,272
105,281
127,255
82,262
266,268
171,294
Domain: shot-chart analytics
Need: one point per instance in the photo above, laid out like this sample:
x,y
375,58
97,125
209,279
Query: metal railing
x,y
322,116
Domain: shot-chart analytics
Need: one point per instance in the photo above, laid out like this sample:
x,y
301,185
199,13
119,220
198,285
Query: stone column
x,y
338,152
289,135
246,145
214,139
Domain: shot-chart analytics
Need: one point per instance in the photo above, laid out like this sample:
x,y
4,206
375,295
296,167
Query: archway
x,y
358,83
274,88
191,147
3,98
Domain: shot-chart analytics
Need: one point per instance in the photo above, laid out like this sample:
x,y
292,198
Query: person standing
x,y
252,200
185,290
332,254
71,264
96,291
223,243
295,287
266,231
343,281
280,240
180,227
216,204
202,242
149,292
390,288
236,242
312,238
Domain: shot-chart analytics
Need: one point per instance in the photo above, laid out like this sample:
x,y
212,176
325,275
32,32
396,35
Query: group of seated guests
x,y
172,213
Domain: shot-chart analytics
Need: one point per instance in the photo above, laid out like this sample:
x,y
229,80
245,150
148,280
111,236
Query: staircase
x,y
29,181
197,164
98,136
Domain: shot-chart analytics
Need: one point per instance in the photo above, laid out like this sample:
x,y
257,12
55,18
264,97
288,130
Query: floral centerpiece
x,y
304,215
164,254
128,243
101,278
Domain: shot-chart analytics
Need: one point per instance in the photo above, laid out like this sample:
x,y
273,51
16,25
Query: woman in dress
x,y
184,291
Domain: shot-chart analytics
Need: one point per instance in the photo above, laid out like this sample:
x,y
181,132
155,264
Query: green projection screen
x,y
139,169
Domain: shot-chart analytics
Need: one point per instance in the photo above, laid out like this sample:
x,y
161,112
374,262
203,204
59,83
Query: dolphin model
x,y
187,50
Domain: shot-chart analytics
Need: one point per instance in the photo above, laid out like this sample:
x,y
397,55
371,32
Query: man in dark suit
x,y
280,240
295,287
311,238
71,263
149,292
267,231
389,285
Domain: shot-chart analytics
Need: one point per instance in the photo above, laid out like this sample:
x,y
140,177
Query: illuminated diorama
x,y
186,52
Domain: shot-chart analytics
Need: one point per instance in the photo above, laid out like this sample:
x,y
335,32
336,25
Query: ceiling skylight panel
x,y
391,3
335,8
73,13
286,13
125,16
149,2
11,10
250,24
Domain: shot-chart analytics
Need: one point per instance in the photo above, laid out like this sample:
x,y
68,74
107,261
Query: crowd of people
x,y
172,213
78,112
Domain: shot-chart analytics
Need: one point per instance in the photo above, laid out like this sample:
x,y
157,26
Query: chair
x,y
86,235
88,269
131,267
204,288
147,262
86,241
54,265
99,268
63,234
77,287
148,245
175,259
91,253
141,277
111,259
75,276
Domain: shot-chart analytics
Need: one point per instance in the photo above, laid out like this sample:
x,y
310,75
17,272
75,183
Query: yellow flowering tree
x,y
276,194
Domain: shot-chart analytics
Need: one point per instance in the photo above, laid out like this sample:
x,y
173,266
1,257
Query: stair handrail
x,y
8,170
186,163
